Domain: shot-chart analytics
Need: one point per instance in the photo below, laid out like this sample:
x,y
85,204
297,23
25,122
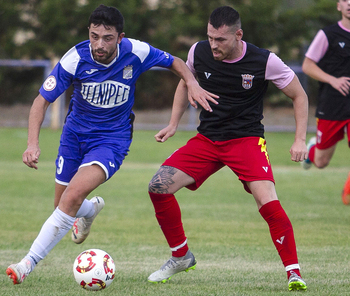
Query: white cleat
x,y
82,226
296,283
18,272
172,266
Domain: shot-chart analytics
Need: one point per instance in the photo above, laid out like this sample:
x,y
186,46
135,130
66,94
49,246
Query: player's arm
x,y
180,105
36,117
195,92
341,84
295,91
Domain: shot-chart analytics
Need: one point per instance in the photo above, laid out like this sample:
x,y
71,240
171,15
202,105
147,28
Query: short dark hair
x,y
224,15
107,16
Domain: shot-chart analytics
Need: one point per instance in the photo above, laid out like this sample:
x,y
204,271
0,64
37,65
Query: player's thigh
x,y
168,180
82,184
263,192
324,156
248,159
197,159
86,179
59,189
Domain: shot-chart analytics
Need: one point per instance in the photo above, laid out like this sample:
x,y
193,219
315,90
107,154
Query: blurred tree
x,y
57,25
10,23
46,29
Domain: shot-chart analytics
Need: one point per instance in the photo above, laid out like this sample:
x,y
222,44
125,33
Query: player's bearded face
x,y
224,42
104,42
102,56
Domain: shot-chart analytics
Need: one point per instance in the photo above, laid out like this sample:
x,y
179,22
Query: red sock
x,y
282,235
312,153
168,215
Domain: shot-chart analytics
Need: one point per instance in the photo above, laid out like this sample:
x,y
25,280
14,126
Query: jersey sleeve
x,y
150,56
318,47
278,72
190,58
61,76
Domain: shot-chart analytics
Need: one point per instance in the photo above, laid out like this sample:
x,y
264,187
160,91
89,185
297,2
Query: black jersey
x,y
332,105
241,86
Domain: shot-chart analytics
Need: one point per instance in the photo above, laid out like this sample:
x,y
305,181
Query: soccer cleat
x,y
81,226
296,283
172,266
306,164
346,192
18,272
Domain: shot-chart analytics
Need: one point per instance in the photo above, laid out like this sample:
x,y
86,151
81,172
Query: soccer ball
x,y
94,269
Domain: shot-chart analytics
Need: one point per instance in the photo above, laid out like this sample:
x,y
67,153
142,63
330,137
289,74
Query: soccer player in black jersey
x,y
328,61
230,135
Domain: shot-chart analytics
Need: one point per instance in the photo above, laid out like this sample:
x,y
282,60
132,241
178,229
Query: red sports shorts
x,y
201,157
329,132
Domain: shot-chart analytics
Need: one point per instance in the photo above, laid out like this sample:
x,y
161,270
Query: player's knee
x,y
155,184
160,185
151,186
321,163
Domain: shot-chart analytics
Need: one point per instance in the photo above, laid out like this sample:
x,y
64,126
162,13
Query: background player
x,y
328,61
98,128
231,135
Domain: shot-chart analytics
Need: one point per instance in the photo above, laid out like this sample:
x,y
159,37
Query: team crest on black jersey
x,y
127,72
247,81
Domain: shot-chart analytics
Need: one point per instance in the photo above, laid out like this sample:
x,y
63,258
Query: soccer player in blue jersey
x,y
98,128
231,135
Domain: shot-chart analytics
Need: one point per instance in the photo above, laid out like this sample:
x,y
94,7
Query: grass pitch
x,y
229,238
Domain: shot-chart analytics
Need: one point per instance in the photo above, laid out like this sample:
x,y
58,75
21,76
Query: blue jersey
x,y
103,95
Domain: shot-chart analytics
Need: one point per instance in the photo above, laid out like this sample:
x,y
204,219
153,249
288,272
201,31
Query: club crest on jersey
x,y
247,81
127,72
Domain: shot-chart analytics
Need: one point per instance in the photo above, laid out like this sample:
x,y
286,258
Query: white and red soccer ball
x,y
94,269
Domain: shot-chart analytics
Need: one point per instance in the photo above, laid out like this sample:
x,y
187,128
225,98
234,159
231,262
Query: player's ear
x,y
120,37
338,6
239,34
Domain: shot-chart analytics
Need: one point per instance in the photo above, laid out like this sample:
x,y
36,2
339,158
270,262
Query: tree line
x,y
46,29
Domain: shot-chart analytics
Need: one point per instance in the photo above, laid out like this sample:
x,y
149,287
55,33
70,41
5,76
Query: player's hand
x,y
201,96
165,134
298,151
341,84
31,156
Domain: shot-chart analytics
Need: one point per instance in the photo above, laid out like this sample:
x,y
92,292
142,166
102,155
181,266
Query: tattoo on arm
x,y
162,180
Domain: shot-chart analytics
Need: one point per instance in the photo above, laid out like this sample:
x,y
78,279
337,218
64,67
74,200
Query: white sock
x,y
87,209
53,230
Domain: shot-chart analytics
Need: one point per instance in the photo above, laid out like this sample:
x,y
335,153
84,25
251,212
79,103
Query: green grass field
x,y
226,233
